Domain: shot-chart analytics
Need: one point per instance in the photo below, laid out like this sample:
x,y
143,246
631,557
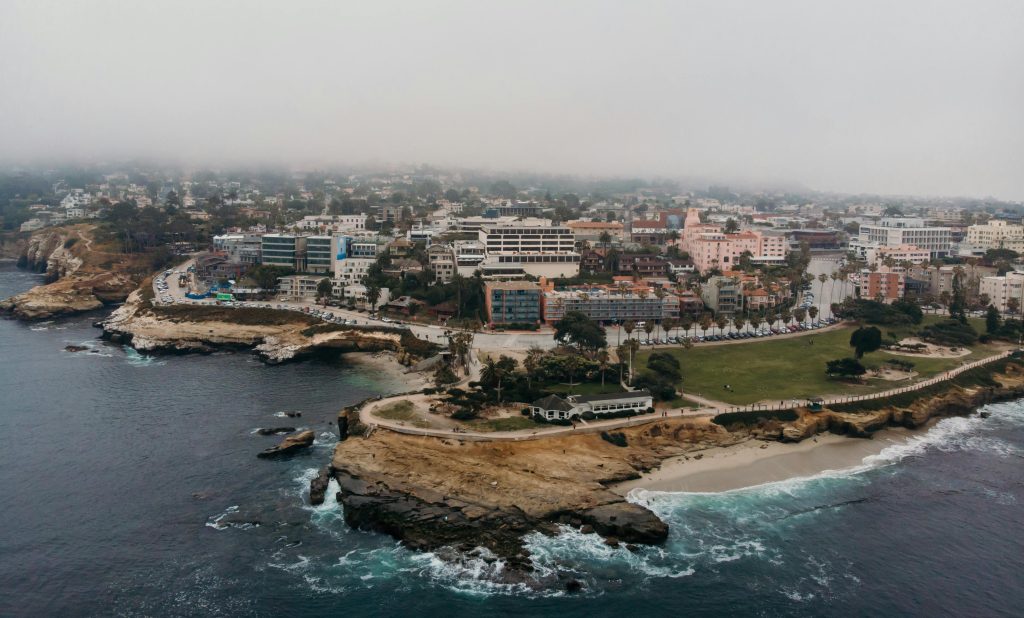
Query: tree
x,y
266,276
531,363
721,322
845,367
705,323
991,320
444,375
958,303
731,227
372,296
494,372
800,314
576,328
739,322
649,328
323,288
1012,305
813,312
629,326
602,360
865,339
666,365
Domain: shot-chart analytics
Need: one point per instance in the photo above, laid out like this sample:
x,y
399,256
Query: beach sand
x,y
386,365
756,462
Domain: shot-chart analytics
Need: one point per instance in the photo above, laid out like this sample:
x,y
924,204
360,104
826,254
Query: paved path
x,y
711,408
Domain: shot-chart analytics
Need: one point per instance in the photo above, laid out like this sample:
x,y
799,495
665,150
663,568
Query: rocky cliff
x,y
435,494
78,277
275,336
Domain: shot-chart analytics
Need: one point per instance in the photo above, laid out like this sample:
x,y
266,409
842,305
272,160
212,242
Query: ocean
x,y
131,488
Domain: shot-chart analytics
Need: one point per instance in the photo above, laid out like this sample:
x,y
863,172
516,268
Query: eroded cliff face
x,y
433,493
78,278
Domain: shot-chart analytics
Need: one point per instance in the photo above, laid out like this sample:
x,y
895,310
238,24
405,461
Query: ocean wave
x,y
137,359
217,521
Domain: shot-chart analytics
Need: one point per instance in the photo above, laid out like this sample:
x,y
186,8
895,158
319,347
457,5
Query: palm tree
x,y
786,317
628,326
800,314
705,324
721,321
649,328
739,322
602,362
813,312
755,321
668,324
632,345
687,323
531,363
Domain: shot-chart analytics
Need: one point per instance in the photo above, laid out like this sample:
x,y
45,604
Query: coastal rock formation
x,y
78,278
291,444
275,336
434,493
955,401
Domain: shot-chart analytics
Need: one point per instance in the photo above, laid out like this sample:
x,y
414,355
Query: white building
x,y
897,231
352,270
1001,289
554,407
996,234
541,249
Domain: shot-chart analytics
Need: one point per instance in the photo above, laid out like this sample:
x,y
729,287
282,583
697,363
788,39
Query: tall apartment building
x,y
897,231
513,302
722,295
319,254
1001,289
996,234
723,251
885,284
541,250
285,250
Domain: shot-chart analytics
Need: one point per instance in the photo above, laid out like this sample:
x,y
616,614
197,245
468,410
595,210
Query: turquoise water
x,y
131,487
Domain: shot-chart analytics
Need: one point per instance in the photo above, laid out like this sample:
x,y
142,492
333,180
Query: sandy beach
x,y
385,364
755,462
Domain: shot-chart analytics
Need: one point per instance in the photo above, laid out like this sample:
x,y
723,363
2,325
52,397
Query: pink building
x,y
723,251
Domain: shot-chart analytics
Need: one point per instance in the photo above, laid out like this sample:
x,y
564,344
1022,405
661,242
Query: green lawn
x,y
511,423
778,369
401,411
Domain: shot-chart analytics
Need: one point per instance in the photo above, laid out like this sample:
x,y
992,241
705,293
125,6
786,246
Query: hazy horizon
x,y
922,98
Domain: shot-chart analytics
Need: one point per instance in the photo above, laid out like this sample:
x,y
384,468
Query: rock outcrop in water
x,y
290,445
434,493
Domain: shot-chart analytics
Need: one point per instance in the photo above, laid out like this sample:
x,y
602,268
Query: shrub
x,y
464,414
617,438
70,243
589,416
845,367
753,418
950,333
525,411
660,388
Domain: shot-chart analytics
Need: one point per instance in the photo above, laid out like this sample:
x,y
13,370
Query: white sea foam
x,y
217,521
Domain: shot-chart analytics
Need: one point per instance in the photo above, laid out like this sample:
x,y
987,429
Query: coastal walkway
x,y
711,408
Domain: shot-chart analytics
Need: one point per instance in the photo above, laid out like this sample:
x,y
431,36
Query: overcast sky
x,y
922,97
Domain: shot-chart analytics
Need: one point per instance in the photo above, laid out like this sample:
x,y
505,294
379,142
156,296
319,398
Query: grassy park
x,y
786,368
